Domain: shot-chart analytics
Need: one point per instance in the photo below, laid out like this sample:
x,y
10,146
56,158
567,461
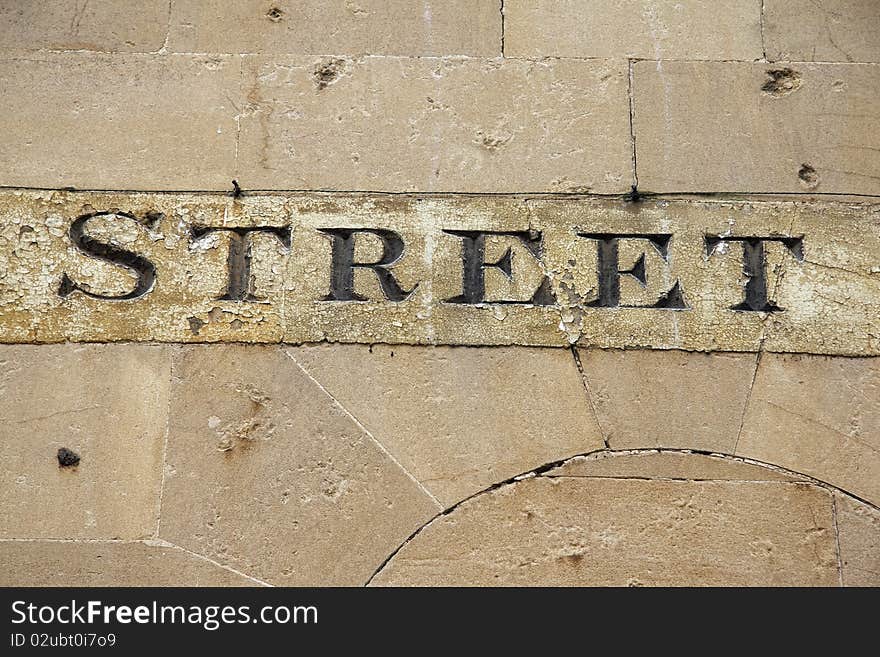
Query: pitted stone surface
x,y
624,532
333,27
435,125
744,127
266,474
461,419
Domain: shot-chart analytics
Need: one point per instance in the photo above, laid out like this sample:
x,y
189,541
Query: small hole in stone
x,y
67,458
274,14
781,82
808,176
326,73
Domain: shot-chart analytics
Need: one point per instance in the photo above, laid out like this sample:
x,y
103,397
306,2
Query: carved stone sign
x,y
689,274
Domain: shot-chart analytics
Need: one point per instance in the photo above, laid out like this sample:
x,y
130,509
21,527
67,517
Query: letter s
x,y
143,268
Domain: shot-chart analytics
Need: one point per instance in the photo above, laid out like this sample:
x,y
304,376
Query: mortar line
x,y
580,368
173,349
365,430
547,467
502,29
632,127
748,401
163,543
164,48
504,345
243,101
837,538
763,42
720,195
20,53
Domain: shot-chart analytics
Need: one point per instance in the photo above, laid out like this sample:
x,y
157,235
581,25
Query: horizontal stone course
x,y
183,269
196,122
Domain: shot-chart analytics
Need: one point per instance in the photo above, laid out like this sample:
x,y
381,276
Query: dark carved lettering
x,y
755,268
474,265
343,264
240,286
143,268
609,271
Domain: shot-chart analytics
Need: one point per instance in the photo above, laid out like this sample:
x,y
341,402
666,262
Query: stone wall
x,y
484,292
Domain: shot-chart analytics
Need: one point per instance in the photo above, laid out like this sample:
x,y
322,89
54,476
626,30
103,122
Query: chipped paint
x,y
827,287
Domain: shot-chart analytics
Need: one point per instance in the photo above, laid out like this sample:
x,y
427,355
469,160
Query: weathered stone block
x,y
121,121
450,124
818,416
754,127
107,406
110,26
337,27
671,274
831,30
612,532
646,29
267,474
669,398
461,419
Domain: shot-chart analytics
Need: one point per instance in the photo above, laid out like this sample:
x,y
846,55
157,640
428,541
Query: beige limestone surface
x,y
818,416
334,27
644,29
118,121
859,527
613,532
666,465
267,474
57,563
820,272
450,124
757,127
106,403
830,30
461,419
106,25
647,445
669,398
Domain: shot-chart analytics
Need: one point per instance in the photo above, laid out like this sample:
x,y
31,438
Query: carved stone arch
x,y
647,517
